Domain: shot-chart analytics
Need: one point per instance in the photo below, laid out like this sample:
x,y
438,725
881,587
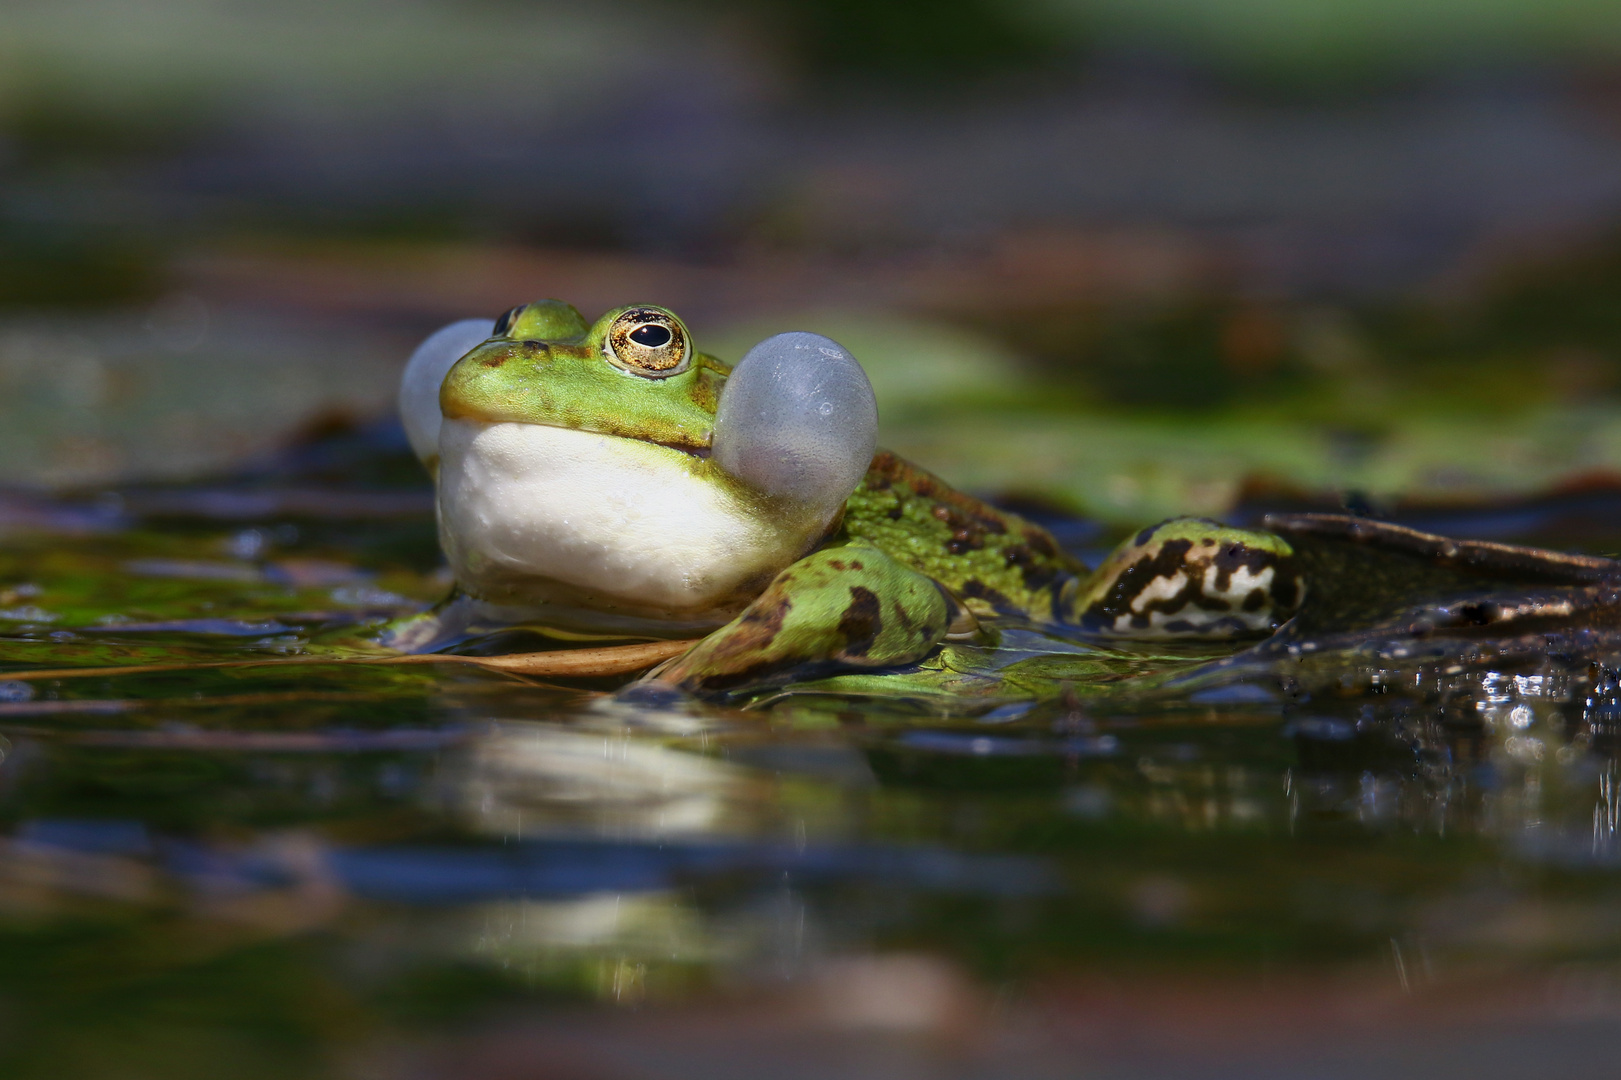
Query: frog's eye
x,y
503,325
648,342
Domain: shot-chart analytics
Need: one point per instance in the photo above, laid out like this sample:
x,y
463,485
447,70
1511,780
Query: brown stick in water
x,y
609,660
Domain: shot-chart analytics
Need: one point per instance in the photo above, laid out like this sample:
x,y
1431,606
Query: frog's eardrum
x,y
425,373
798,420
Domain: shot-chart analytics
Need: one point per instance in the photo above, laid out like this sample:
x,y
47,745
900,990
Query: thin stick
x,y
609,660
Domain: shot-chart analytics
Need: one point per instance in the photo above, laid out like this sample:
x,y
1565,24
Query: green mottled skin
x,y
996,562
851,606
909,565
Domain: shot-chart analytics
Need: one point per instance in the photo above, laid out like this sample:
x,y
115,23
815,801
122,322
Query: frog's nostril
x,y
651,335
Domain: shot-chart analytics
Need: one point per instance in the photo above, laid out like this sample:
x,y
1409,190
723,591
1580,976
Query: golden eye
x,y
648,342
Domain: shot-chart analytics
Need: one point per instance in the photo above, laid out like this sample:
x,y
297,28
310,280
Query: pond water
x,y
322,870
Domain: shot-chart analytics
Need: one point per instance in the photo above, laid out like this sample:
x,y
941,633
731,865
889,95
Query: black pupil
x,y
652,335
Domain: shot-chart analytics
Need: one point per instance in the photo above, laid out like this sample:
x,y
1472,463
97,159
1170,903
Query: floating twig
x,y
564,663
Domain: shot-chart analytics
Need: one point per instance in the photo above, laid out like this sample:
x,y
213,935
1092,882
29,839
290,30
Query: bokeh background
x,y
1109,258
1129,258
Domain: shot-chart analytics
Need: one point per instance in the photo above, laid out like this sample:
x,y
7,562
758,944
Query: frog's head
x,y
776,444
633,374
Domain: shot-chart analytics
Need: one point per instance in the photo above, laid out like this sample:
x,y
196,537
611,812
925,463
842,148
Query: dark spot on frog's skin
x,y
765,620
1170,559
899,612
1208,541
535,346
968,526
1235,555
757,628
495,361
836,564
977,590
896,512
1255,600
1041,543
1034,573
861,622
967,531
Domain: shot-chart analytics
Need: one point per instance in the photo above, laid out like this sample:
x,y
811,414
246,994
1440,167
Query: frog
x,y
607,479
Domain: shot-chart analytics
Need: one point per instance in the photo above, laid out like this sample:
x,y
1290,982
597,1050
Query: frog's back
x,y
995,561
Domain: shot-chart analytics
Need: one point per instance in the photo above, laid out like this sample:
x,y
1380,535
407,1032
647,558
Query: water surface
x,y
422,872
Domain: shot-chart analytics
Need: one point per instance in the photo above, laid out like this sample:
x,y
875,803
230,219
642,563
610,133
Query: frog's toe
x,y
1189,577
840,608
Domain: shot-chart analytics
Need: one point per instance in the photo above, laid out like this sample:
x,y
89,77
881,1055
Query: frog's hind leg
x,y
844,607
1188,578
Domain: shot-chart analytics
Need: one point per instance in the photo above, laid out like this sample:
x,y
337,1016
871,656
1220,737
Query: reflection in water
x,y
440,843
1513,755
606,942
528,779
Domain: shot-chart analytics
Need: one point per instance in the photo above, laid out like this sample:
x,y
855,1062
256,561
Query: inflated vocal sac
x,y
797,420
425,372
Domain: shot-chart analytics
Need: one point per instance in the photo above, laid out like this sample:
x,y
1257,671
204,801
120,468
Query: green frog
x,y
608,478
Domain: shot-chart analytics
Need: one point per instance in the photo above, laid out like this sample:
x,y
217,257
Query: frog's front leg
x,y
1188,578
844,607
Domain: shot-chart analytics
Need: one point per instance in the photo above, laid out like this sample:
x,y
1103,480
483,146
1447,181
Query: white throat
x,y
535,514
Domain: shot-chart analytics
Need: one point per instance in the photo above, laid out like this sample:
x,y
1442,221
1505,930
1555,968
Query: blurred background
x,y
1115,258
1129,258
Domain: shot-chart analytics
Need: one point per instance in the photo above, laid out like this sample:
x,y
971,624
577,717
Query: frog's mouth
x,y
692,448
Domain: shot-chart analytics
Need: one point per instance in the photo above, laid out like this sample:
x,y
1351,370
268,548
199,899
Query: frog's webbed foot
x,y
452,620
1188,578
845,607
